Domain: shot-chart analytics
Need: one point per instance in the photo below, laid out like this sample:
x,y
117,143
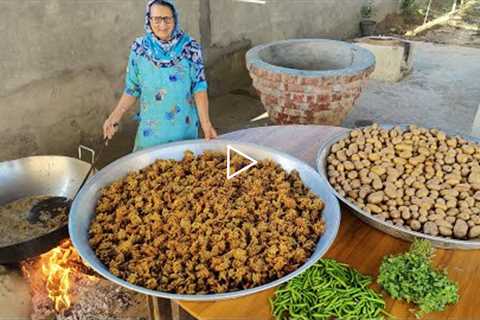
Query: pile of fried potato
x,y
180,226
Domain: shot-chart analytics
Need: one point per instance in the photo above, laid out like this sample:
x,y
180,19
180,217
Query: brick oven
x,y
309,81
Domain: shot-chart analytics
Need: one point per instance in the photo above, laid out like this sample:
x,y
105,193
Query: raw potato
x,y
417,178
375,197
430,228
415,225
460,229
474,232
374,208
445,231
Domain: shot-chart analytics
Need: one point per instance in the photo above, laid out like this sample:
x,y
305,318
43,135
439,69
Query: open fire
x,y
64,287
57,275
56,270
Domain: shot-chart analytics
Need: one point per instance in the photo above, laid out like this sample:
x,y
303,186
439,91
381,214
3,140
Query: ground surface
x,y
463,27
442,91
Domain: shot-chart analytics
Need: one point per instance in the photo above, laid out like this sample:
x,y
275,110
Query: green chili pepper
x,y
328,290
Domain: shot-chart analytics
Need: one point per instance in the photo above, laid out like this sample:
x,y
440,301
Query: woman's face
x,y
162,21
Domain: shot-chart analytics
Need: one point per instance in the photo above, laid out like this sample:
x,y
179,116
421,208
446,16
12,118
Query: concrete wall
x,y
62,65
41,38
234,20
62,62
237,25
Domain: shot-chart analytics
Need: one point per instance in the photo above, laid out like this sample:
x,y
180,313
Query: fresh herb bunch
x,y
328,290
411,277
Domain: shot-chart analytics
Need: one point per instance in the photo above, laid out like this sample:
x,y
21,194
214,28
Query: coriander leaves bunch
x,y
412,277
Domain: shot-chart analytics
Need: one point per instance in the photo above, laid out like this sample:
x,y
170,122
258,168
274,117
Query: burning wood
x,y
63,287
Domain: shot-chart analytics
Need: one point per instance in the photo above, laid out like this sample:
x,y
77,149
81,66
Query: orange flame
x,y
57,272
58,269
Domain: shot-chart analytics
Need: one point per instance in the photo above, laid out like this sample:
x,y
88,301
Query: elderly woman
x,y
166,72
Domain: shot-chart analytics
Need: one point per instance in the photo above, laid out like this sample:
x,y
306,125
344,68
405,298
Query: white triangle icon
x,y
253,162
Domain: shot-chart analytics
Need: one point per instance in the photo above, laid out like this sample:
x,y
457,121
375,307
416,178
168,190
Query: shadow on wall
x,y
228,71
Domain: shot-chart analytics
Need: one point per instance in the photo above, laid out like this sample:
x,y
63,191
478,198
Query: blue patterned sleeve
x,y
132,81
199,80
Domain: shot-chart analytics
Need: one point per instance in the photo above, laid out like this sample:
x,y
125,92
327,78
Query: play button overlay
x,y
231,149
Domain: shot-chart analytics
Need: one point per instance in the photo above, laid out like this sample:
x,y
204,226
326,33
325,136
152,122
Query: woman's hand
x,y
201,100
209,131
110,126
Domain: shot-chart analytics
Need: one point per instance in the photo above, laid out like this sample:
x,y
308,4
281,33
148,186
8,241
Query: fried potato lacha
x,y
182,227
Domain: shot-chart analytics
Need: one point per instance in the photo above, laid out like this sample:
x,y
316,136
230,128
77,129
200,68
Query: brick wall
x,y
307,100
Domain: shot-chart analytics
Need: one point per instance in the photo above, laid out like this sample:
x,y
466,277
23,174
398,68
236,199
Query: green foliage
x,y
411,277
408,6
367,10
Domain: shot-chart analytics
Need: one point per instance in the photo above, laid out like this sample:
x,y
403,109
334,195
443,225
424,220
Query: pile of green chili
x,y
326,290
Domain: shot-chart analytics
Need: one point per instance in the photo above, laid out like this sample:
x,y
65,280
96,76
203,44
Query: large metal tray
x,y
398,232
83,208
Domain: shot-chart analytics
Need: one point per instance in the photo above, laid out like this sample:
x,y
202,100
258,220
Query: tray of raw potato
x,y
408,181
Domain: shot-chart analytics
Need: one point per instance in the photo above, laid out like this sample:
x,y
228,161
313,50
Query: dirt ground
x,y
462,29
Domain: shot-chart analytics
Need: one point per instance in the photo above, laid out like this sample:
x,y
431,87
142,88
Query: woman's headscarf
x,y
167,53
177,33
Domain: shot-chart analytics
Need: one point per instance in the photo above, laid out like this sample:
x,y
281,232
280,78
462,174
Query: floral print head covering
x,y
177,33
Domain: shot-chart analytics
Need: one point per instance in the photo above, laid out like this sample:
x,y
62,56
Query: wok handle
x,y
92,165
82,148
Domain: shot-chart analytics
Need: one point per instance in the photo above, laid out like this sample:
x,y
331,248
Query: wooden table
x,y
357,244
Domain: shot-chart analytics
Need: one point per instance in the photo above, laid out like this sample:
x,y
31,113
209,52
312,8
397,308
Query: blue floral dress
x,y
165,76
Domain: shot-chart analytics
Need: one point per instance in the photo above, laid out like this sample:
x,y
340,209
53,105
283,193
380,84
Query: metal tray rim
x,y
83,247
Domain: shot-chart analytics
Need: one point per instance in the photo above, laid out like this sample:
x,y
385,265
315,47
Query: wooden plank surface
x,y
357,244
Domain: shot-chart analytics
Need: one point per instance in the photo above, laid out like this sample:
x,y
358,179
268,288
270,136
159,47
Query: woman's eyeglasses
x,y
159,19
